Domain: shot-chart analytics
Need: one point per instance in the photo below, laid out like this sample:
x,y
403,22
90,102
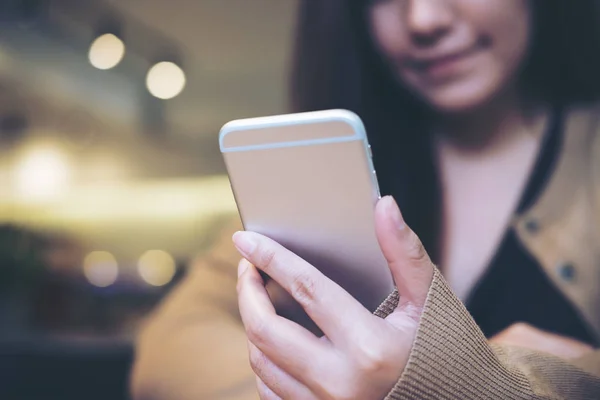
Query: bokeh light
x,y
42,173
165,80
106,51
156,267
101,268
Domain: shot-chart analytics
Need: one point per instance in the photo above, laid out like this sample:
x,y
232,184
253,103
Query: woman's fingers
x,y
276,381
293,363
284,342
319,296
408,261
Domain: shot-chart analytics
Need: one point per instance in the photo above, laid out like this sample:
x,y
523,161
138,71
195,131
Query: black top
x,y
515,288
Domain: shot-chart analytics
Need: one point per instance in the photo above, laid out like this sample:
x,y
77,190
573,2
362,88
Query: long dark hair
x,y
336,66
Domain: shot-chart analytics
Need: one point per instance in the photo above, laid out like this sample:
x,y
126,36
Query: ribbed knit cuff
x,y
451,358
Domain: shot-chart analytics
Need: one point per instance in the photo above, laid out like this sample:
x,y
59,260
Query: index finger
x,y
319,296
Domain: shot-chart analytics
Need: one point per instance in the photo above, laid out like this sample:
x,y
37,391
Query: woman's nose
x,y
428,20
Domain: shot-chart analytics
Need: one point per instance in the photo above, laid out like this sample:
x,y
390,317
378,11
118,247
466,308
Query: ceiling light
x,y
106,51
165,80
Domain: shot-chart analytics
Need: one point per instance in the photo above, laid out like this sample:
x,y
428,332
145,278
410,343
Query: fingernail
x,y
242,266
394,213
244,242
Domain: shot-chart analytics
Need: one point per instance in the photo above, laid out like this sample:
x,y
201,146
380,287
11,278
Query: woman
x,y
481,119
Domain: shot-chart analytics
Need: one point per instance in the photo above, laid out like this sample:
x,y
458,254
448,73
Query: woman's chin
x,y
460,98
459,104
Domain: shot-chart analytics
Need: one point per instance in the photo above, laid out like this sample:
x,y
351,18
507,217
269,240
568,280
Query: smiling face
x,y
455,54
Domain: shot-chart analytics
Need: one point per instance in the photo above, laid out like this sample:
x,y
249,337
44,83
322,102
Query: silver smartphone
x,y
307,181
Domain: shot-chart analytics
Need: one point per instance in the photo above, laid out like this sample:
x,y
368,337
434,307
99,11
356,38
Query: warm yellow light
x,y
42,173
165,80
101,268
107,51
156,267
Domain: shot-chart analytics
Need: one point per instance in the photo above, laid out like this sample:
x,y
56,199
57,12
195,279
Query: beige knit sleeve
x,y
451,359
194,345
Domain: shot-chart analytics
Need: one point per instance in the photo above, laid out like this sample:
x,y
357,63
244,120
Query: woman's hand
x,y
524,335
361,356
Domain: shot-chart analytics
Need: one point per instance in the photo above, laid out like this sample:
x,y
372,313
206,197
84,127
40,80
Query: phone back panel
x,y
307,181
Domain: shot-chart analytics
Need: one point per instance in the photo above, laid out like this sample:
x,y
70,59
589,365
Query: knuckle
x,y
416,251
265,257
257,330
303,290
372,358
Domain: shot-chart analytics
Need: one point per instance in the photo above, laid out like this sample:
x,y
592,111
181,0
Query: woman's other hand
x,y
524,335
361,356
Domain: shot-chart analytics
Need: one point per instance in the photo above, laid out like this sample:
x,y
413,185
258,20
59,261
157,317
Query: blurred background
x,y
111,181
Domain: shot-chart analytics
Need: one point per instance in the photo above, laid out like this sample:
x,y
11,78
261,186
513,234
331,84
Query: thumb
x,y
409,263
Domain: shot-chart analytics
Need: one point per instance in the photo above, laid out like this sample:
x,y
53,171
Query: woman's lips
x,y
439,67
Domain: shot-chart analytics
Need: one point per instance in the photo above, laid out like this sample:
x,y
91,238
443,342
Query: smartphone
x,y
307,181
